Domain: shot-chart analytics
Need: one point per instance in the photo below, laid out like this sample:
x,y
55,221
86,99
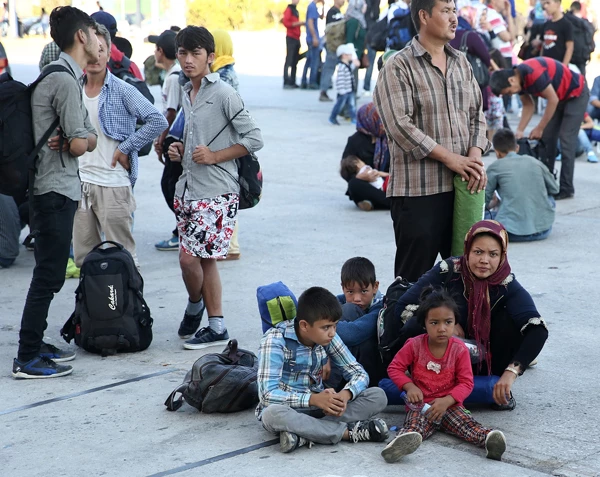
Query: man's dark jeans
x,y
53,218
291,60
565,125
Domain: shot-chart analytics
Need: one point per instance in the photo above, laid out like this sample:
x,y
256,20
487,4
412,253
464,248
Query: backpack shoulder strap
x,y
450,271
463,42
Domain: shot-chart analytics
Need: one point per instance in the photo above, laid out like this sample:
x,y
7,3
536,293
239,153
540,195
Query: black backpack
x,y
583,39
219,382
388,325
480,71
377,35
110,314
250,177
18,149
400,29
121,71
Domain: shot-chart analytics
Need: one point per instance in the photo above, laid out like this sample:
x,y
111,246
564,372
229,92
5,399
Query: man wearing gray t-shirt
x,y
57,188
218,130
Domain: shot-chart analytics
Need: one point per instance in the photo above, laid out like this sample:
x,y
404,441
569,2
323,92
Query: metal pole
x,y
138,17
12,18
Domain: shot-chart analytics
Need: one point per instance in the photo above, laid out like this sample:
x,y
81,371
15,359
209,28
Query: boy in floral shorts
x,y
218,130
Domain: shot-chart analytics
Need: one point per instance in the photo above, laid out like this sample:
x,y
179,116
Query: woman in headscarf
x,y
369,144
224,61
495,310
356,30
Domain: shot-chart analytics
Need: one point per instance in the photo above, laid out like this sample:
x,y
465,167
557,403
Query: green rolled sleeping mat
x,y
468,209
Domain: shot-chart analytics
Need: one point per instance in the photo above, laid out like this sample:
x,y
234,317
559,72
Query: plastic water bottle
x,y
422,408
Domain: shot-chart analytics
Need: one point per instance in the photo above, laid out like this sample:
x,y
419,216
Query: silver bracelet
x,y
512,370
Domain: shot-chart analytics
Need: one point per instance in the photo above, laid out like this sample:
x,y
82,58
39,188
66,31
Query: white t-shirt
x,y
95,167
498,26
377,183
171,90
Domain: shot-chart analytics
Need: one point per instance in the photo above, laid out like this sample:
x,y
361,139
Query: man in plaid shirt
x,y
293,399
108,174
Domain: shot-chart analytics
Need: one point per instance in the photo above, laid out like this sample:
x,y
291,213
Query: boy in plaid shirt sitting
x,y
293,400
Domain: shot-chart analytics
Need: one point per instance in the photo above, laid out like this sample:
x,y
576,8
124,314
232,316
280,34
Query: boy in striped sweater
x,y
344,83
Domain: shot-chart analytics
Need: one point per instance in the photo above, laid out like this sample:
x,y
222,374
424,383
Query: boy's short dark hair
x,y
316,304
358,270
504,141
348,167
499,80
575,6
417,5
65,22
193,37
435,298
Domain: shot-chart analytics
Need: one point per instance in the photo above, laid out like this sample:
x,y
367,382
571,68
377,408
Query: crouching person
x,y
108,173
293,400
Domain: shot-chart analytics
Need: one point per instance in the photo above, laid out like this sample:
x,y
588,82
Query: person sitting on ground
x,y
513,330
293,400
352,167
117,57
361,303
525,186
345,84
440,376
369,144
588,133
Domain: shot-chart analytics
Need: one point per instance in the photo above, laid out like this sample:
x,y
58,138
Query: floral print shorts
x,y
206,226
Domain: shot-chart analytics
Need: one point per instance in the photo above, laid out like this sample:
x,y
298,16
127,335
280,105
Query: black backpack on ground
x,y
219,382
121,71
480,71
18,149
110,314
583,39
388,325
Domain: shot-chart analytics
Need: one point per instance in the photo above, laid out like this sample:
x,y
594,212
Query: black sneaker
x,y
495,445
563,195
402,445
289,442
39,368
373,430
190,323
206,337
512,403
55,354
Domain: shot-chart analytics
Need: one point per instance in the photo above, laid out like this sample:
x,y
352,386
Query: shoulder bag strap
x,y
217,135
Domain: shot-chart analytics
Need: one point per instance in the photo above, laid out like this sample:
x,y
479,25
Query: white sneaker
x,y
495,445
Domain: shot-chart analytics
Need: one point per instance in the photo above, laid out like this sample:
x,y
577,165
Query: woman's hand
x,y
503,386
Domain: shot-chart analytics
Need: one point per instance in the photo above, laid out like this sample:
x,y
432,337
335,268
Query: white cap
x,y
346,49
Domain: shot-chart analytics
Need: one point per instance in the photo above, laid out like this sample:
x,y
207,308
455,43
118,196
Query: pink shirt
x,y
452,374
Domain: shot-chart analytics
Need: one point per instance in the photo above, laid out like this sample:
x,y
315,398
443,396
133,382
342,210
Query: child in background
x,y
352,166
588,133
293,401
344,83
442,377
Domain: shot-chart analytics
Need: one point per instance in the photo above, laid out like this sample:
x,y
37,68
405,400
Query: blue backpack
x,y
400,29
276,303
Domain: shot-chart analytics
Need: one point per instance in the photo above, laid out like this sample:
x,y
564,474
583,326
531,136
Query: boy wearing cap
x,y
116,56
165,59
344,83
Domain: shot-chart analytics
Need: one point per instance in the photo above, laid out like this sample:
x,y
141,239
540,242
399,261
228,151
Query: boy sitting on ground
x,y
293,400
361,303
352,166
525,185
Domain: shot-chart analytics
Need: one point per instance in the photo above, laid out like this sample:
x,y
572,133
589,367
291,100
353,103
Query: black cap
x,y
166,41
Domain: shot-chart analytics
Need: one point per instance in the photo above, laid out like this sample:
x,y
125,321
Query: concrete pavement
x,y
108,417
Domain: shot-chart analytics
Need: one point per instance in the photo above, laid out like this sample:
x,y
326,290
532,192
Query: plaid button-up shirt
x,y
421,108
289,372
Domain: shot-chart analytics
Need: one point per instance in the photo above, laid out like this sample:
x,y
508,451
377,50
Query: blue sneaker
x,y
55,354
334,122
39,368
206,337
166,245
558,158
591,157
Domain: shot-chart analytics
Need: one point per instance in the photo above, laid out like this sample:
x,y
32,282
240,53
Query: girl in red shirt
x,y
440,367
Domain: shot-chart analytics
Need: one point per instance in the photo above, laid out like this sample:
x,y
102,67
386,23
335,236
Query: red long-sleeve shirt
x,y
291,16
454,376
